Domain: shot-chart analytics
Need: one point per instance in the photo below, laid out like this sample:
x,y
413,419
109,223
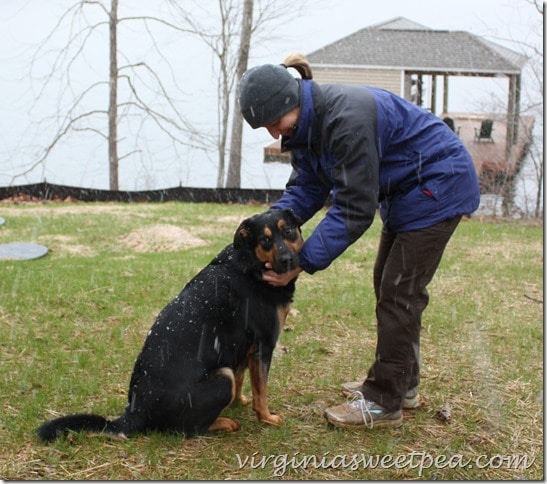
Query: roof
x,y
402,43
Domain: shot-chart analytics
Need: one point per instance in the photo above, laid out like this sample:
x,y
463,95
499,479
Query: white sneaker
x,y
359,412
410,401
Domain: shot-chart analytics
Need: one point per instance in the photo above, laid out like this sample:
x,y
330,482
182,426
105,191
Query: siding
x,y
384,78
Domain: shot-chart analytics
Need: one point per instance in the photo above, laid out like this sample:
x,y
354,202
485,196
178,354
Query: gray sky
x,y
24,23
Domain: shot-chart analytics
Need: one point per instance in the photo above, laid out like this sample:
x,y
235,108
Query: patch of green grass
x,y
73,322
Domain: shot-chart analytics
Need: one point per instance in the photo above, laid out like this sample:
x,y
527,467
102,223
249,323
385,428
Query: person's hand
x,y
275,279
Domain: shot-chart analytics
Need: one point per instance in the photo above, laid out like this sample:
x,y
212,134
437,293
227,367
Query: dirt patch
x,y
65,244
25,199
161,238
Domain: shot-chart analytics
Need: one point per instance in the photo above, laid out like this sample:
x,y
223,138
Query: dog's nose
x,y
285,261
286,257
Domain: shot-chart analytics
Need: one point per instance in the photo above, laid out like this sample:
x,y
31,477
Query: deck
x,y
493,162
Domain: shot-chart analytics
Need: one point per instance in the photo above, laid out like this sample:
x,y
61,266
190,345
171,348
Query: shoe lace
x,y
358,401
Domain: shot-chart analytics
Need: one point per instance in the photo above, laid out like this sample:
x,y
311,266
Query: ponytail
x,y
300,64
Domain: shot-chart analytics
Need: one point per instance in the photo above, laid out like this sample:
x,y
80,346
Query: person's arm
x,y
350,138
350,141
305,194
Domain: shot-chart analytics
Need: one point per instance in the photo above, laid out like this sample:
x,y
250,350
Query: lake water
x,y
200,171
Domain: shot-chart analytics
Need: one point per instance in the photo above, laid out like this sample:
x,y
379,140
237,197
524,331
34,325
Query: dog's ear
x,y
243,233
296,219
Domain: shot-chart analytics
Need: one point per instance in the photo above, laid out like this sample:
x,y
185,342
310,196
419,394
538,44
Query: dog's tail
x,y
53,429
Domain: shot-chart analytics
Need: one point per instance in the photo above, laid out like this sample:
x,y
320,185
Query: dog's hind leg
x,y
224,423
227,373
207,398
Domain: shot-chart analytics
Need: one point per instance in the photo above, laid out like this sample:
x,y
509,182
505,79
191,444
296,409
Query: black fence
x,y
48,191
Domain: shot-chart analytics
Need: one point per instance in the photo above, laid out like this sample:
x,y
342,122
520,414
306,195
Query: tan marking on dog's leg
x,y
259,385
282,313
224,423
227,372
239,377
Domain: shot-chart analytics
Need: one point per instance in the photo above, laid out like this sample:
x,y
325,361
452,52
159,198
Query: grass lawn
x,y
73,322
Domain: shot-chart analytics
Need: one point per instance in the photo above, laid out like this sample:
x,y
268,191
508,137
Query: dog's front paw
x,y
271,419
243,400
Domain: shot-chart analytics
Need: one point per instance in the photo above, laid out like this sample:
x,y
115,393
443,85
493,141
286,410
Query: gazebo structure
x,y
400,55
393,53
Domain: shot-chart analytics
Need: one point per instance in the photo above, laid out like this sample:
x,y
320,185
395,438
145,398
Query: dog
x,y
225,320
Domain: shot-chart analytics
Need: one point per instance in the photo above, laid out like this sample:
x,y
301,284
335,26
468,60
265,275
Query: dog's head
x,y
273,236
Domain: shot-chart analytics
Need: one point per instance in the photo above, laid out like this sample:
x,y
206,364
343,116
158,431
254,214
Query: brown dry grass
x,y
73,322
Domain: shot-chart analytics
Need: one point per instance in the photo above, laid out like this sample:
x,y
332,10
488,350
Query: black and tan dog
x,y
225,320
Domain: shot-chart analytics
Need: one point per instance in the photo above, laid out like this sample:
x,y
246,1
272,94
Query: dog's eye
x,y
265,240
288,232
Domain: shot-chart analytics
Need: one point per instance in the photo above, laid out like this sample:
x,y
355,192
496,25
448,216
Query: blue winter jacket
x,y
366,146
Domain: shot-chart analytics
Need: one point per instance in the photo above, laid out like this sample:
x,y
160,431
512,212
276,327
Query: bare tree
x,y
113,161
234,170
220,39
73,113
250,21
535,105
531,104
78,110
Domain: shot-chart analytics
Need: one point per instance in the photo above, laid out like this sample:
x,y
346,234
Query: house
x,y
403,56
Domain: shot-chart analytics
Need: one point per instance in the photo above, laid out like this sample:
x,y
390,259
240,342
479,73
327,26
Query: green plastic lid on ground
x,y
22,251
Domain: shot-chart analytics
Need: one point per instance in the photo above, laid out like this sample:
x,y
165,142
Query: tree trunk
x,y
234,169
224,113
113,101
538,212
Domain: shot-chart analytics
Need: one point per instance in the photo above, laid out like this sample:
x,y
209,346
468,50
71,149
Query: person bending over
x,y
367,147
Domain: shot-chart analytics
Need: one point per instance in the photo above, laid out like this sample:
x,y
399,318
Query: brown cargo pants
x,y
405,265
